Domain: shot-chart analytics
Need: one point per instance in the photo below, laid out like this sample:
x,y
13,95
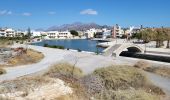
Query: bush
x,y
2,71
163,71
93,84
54,46
121,77
78,50
142,64
64,69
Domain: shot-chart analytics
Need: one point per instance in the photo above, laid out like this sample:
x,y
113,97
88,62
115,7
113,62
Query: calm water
x,y
82,44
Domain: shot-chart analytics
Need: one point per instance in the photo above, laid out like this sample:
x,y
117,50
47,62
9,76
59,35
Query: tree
x,y
160,36
73,32
146,35
167,37
29,33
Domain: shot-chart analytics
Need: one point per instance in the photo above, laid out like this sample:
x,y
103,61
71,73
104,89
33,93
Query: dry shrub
x,y
2,71
142,64
64,70
31,56
126,77
121,77
92,83
132,94
163,71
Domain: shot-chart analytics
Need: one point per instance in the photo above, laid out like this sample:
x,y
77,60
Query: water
x,y
82,44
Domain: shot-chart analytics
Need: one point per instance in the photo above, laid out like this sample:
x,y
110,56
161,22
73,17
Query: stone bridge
x,y
116,49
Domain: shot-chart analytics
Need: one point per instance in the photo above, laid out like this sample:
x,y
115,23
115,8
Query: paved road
x,y
87,62
49,59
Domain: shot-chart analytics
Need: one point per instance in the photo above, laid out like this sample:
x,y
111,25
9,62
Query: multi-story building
x,y
90,33
117,31
104,34
52,35
57,34
2,33
64,34
10,32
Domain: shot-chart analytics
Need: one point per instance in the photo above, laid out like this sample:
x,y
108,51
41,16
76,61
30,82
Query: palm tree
x,y
146,35
160,36
168,38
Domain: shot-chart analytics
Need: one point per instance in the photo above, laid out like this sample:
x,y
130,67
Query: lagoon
x,y
81,44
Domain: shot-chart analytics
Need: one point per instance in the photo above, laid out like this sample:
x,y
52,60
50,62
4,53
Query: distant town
x,y
103,33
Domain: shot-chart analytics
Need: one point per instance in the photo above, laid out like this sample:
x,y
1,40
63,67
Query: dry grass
x,y
23,84
125,78
31,88
30,57
134,95
4,43
142,64
2,71
64,70
163,71
160,70
108,83
121,77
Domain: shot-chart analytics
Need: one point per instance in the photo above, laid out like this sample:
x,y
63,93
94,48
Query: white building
x,y
52,35
10,32
2,33
90,33
64,34
132,30
57,35
104,34
36,33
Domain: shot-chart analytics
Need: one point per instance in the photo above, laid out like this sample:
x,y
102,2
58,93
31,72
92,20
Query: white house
x,y
36,33
52,35
90,33
64,34
10,32
132,30
2,33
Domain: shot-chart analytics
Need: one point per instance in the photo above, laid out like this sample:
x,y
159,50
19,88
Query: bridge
x,y
116,49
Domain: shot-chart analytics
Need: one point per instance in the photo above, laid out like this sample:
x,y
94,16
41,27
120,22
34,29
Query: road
x,y
87,62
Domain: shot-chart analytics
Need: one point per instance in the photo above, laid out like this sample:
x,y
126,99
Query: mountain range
x,y
78,26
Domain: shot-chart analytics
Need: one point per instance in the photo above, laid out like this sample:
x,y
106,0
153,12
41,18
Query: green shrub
x,y
54,46
79,50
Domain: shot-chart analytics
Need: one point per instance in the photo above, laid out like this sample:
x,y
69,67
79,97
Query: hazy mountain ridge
x,y
77,26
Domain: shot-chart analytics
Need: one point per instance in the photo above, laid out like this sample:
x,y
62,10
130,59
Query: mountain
x,y
77,26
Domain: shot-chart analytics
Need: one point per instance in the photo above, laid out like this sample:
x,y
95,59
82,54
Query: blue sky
x,y
45,13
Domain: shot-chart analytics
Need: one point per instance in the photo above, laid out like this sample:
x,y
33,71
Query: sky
x,y
35,14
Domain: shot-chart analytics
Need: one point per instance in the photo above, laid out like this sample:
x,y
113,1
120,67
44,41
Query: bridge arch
x,y
130,47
